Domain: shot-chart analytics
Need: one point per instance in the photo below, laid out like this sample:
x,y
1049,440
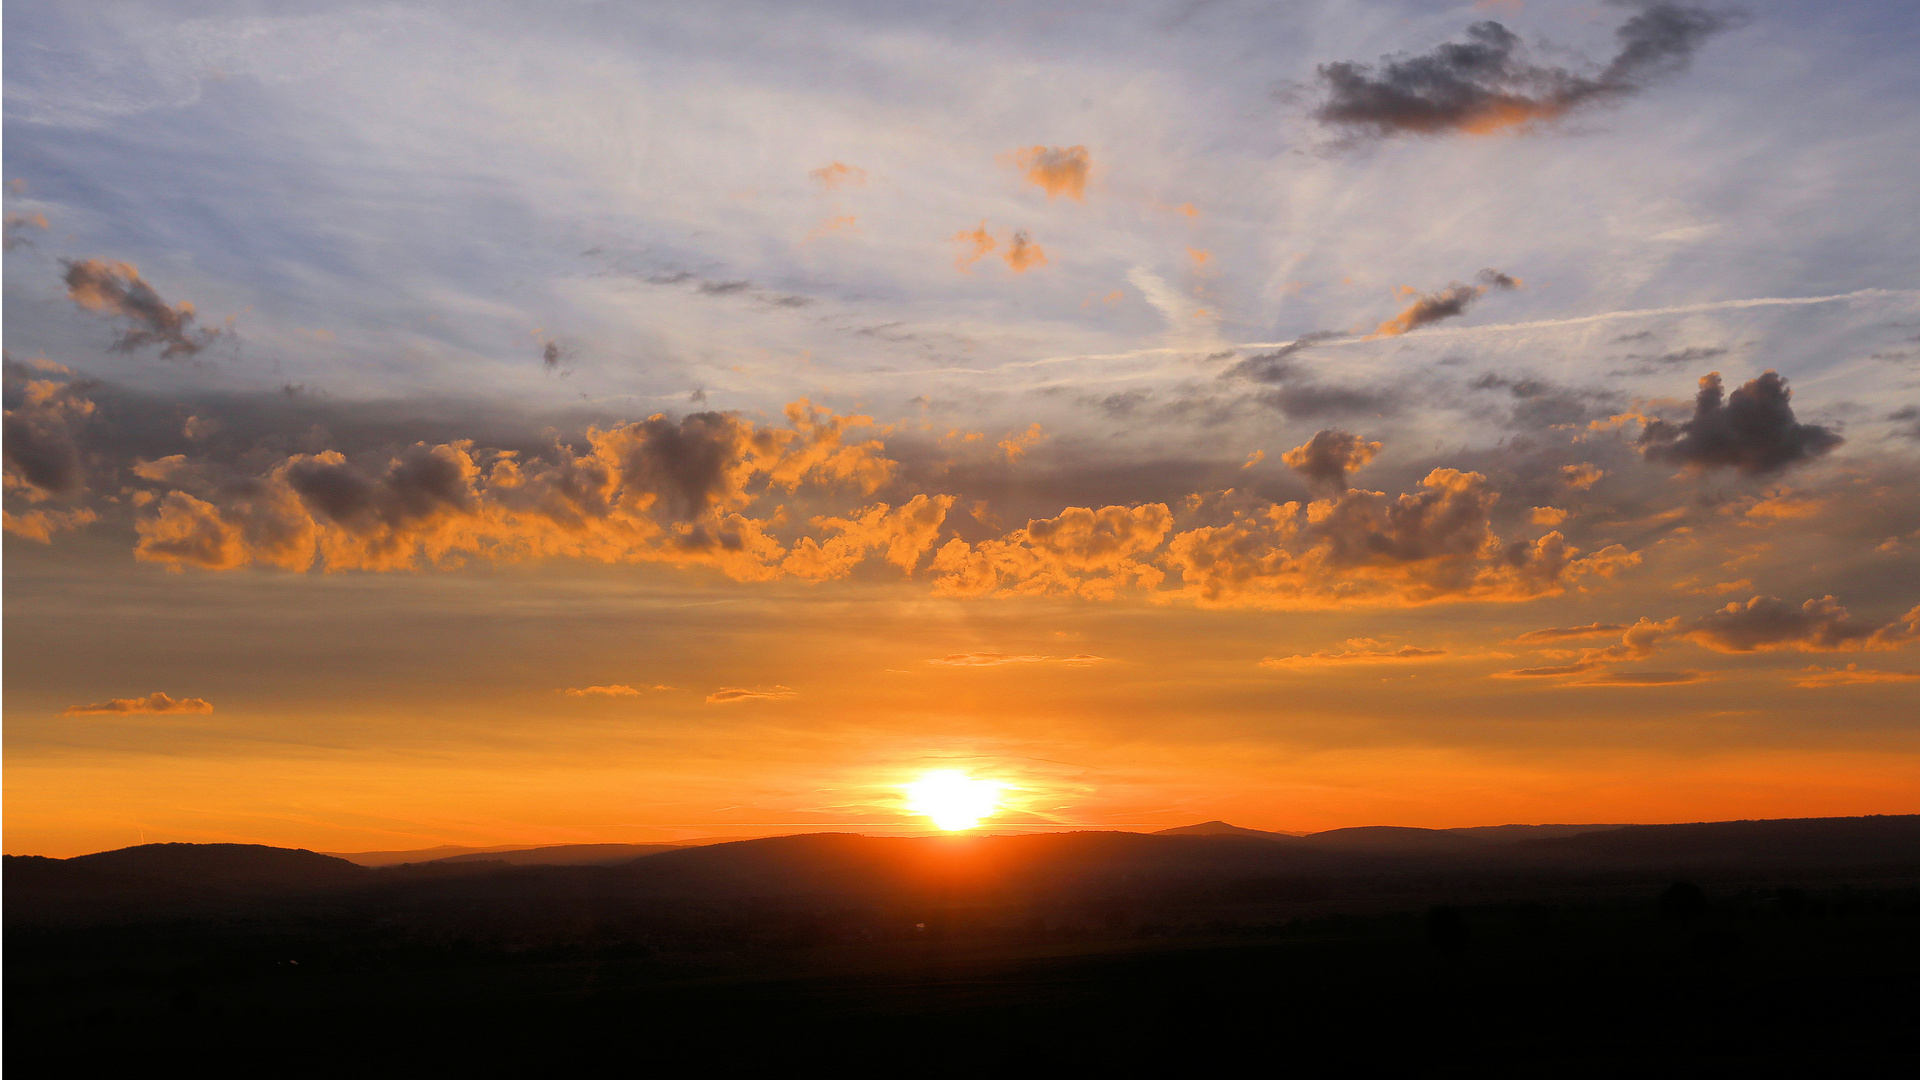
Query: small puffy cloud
x,y
1350,656
42,524
615,690
1091,553
1581,476
1549,516
995,659
839,174
1023,254
1327,458
116,288
1752,430
1816,677
1453,300
1487,83
1058,170
975,244
153,704
734,694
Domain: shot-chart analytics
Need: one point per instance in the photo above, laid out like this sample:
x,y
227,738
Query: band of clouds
x,y
154,704
997,659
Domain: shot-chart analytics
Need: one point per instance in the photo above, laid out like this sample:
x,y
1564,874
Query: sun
x,y
954,800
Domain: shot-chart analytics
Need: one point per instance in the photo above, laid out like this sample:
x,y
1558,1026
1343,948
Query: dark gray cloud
x,y
1275,366
116,288
1327,458
1315,401
40,437
421,482
1752,430
1908,417
1487,83
1539,403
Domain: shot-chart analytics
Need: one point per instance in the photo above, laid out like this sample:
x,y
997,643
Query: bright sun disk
x,y
954,800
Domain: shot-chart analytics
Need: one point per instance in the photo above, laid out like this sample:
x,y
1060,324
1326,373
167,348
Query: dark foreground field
x,y
1211,955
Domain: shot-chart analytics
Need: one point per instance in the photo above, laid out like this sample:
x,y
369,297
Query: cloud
x,y
1816,677
1486,83
615,690
1366,547
1453,300
15,224
1581,476
40,444
1351,656
1550,516
732,694
1908,417
838,175
975,245
1327,458
1762,624
1642,678
116,288
994,659
652,490
153,704
1091,553
1752,431
1023,254
1561,633
42,524
1057,170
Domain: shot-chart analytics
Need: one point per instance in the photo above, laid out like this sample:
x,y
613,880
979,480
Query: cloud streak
x,y
154,704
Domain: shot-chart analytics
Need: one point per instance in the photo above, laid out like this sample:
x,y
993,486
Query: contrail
x,y
1353,339
1638,313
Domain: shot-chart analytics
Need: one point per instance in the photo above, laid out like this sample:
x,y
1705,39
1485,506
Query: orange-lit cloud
x,y
1549,516
1023,254
842,223
734,694
1092,553
1447,303
1582,476
1815,676
838,175
1016,446
1058,170
1326,459
1351,656
41,525
615,690
995,659
975,245
153,704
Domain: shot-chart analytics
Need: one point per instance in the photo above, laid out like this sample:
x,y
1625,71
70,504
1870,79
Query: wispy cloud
x,y
153,704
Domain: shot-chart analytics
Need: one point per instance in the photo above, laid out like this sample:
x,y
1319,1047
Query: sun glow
x,y
954,800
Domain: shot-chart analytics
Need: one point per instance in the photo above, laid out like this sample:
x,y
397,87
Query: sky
x,y
599,422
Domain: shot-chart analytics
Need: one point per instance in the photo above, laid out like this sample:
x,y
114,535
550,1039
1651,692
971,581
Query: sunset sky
x,y
510,424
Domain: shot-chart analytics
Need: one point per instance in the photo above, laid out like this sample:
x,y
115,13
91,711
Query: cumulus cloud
x,y
153,704
1447,303
1091,553
116,288
1351,656
1752,430
1487,83
1058,170
41,447
1762,624
1023,254
975,244
1366,547
995,659
731,695
42,524
652,490
1326,459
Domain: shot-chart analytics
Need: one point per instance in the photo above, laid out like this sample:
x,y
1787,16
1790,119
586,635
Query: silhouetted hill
x,y
1517,833
1220,828
564,855
420,855
1395,839
1881,840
